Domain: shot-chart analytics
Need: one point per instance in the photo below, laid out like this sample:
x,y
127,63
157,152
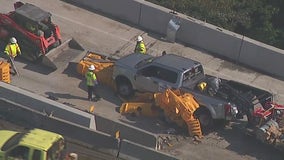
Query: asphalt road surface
x,y
99,33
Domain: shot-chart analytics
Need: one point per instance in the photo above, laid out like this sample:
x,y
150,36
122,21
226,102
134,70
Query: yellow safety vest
x,y
12,49
140,48
91,78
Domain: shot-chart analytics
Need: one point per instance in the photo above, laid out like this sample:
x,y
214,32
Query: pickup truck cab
x,y
37,144
145,73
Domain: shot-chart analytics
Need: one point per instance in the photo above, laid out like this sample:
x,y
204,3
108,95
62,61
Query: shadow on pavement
x,y
71,70
35,66
246,145
104,92
32,66
55,96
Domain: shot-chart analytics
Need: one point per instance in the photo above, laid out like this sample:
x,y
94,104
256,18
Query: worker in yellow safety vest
x,y
140,46
92,83
12,50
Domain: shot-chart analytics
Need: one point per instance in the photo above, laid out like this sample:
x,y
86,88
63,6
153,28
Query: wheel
x,y
124,89
205,119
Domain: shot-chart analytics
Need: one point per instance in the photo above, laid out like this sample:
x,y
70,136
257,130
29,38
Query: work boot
x,y
13,73
96,98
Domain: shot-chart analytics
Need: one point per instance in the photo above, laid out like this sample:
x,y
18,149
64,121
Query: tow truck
x,y
35,144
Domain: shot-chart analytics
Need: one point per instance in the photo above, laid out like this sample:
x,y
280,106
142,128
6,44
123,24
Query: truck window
x,y
20,152
36,155
12,141
160,73
193,72
55,152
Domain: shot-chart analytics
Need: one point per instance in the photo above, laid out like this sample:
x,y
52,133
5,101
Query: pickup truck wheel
x,y
205,119
124,89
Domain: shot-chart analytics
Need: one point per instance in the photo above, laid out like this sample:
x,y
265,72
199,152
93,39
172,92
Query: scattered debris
x,y
69,104
171,131
52,98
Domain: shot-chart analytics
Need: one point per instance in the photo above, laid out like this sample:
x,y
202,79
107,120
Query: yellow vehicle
x,y
36,144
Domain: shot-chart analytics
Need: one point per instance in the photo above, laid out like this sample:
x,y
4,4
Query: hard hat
x,y
73,156
92,67
13,40
139,38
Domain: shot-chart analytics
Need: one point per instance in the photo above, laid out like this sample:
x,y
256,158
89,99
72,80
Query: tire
x,y
125,89
205,119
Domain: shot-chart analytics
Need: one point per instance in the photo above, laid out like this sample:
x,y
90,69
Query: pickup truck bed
x,y
246,97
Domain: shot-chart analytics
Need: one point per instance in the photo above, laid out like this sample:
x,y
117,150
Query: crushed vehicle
x,y
219,99
173,105
267,125
35,144
38,37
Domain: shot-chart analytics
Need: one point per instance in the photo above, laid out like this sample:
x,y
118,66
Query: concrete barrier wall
x,y
126,132
94,139
29,118
209,37
154,18
97,122
47,106
194,32
263,57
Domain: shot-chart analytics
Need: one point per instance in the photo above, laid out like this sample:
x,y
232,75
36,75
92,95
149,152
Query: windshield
x,y
14,140
192,75
193,72
56,151
144,62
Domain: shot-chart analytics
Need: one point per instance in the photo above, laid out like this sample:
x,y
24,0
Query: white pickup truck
x,y
142,72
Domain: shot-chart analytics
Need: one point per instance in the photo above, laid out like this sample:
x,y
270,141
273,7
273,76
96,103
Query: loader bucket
x,y
62,54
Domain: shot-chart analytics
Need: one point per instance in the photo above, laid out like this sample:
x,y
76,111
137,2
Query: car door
x,y
19,152
145,79
155,79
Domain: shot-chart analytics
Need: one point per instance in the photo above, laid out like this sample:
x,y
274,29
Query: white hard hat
x,y
73,156
139,38
92,67
13,40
